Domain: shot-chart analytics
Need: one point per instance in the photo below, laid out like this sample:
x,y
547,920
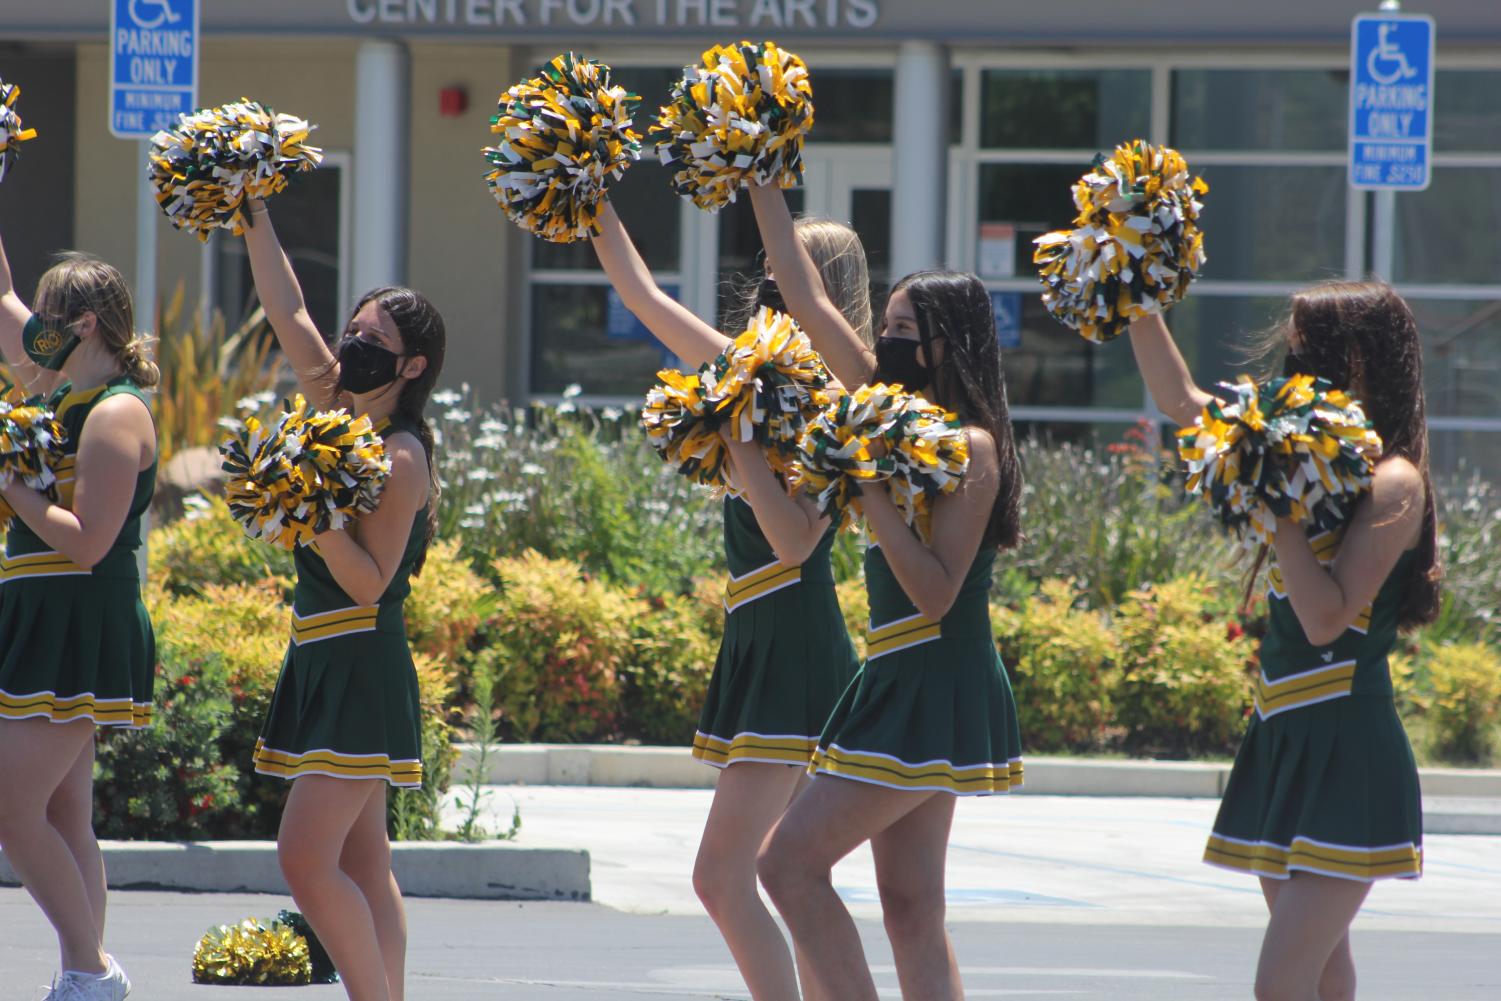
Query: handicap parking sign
x,y
1391,101
153,65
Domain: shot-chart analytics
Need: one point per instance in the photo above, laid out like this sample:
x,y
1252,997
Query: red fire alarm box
x,y
453,101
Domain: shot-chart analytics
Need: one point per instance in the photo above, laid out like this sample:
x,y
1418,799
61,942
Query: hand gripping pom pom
x,y
252,954
309,472
31,444
764,387
882,433
1135,247
1292,447
12,133
567,132
737,119
205,167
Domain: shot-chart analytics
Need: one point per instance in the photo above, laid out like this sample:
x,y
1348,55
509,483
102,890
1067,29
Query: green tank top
x,y
321,609
754,568
895,622
26,553
1296,673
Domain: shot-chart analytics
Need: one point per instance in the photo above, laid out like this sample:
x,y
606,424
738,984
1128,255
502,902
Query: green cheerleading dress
x,y
785,657
1324,781
346,703
932,708
76,643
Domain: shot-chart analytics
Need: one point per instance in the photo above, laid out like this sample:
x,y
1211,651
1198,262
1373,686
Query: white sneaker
x,y
113,985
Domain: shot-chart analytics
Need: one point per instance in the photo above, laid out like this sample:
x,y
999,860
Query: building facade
x,y
948,133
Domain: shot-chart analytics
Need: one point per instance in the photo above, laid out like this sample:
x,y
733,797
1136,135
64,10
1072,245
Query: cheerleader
x,y
930,716
345,719
76,647
1323,797
786,654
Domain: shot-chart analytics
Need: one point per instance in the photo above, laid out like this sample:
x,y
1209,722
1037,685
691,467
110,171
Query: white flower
x,y
196,506
464,388
247,403
489,442
447,397
531,469
437,436
475,509
612,413
457,416
574,389
480,474
231,425
472,523
567,407
492,426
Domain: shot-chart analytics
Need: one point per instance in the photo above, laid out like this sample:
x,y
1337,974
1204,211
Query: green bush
x,y
209,547
1061,662
448,612
1461,701
1185,685
674,642
854,602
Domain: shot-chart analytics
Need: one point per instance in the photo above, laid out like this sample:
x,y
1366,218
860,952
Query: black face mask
x,y
365,366
769,295
896,362
45,345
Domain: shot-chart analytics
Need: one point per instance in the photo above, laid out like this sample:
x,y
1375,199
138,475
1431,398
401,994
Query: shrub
x,y
1061,663
210,548
447,611
854,601
1462,706
560,640
666,674
1184,685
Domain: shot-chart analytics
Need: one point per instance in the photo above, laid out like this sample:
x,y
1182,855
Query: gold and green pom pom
x,y
308,472
12,132
31,444
1292,447
323,966
736,119
252,954
205,166
567,133
764,387
880,433
1135,246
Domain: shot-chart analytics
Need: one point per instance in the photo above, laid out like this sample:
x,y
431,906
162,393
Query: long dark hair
x,y
421,328
1362,334
956,309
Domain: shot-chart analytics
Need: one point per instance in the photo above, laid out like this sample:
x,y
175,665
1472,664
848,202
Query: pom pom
x,y
31,443
882,433
1136,244
737,119
323,967
307,473
205,167
252,954
567,132
1292,447
12,133
764,387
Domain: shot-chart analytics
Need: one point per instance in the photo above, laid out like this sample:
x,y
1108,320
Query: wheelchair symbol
x,y
1389,55
164,13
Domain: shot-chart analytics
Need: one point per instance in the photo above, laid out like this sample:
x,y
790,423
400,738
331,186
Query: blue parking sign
x,y
1007,307
1391,101
153,65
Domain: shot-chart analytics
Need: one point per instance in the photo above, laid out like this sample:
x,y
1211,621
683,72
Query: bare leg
x,y
320,814
71,812
1310,920
748,800
823,825
1337,981
367,861
35,757
910,856
806,978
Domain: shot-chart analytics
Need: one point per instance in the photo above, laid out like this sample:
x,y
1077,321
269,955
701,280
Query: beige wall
x,y
462,254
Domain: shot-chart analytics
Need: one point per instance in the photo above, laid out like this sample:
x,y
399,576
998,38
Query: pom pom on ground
x,y
323,966
12,132
252,954
309,472
1135,246
764,387
205,166
31,444
1292,447
736,119
881,433
567,133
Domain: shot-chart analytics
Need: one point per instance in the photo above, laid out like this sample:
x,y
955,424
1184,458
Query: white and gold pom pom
x,y
736,119
1135,246
567,134
309,472
252,953
31,445
12,132
1293,447
677,424
205,166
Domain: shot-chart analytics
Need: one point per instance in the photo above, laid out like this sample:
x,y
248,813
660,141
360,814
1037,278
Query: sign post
x,y
1391,115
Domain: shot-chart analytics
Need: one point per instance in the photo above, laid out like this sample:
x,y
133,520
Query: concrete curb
x,y
675,768
493,871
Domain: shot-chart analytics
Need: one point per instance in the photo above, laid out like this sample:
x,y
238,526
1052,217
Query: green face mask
x,y
47,347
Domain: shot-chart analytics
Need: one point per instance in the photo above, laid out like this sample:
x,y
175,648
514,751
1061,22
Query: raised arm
x,y
802,290
791,523
281,298
1166,374
672,323
13,317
